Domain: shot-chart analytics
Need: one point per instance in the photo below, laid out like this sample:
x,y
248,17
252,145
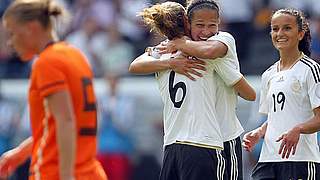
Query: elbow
x,y
252,97
249,97
132,69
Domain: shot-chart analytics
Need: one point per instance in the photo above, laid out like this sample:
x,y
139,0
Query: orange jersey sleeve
x,y
50,75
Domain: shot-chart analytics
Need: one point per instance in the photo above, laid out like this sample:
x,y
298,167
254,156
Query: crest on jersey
x,y
295,85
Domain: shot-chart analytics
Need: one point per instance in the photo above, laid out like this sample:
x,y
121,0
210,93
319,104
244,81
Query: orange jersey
x,y
62,67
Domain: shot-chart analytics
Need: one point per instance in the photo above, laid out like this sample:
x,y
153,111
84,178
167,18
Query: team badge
x,y
295,85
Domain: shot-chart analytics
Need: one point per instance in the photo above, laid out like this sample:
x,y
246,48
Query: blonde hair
x,y
166,18
39,10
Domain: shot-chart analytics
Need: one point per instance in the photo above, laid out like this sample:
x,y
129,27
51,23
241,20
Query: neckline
x,y
294,63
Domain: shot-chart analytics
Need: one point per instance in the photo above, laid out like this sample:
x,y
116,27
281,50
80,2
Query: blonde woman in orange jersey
x,y
61,99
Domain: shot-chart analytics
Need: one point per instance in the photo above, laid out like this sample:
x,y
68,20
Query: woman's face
x,y
20,38
285,33
204,24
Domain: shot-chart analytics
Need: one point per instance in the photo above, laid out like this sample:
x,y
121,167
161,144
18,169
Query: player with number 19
x,y
290,96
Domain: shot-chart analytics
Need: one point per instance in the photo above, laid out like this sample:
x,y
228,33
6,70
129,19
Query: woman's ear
x,y
301,35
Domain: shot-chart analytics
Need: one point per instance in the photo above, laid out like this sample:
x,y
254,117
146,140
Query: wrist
x,y
182,43
169,64
298,129
260,132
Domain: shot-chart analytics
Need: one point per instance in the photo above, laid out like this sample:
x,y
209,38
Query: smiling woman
x,y
207,103
289,96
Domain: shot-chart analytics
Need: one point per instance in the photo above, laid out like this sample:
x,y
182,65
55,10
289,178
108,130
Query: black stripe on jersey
x,y
316,68
314,71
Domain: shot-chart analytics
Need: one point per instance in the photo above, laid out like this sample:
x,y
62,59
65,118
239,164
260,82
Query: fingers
x,y
281,147
247,143
162,49
280,138
247,147
198,61
199,67
294,149
288,151
286,148
194,72
289,148
189,76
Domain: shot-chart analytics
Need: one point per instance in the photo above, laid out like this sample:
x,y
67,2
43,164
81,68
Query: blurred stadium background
x,y
111,36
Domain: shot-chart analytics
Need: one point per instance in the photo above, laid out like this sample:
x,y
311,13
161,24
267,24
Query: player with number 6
x,y
192,123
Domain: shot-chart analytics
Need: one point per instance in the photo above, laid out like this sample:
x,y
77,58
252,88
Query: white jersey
x,y
288,97
189,108
226,74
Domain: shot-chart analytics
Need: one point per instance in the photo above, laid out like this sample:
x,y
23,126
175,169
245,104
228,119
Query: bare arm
x,y
245,90
311,126
146,64
10,160
200,49
60,105
291,138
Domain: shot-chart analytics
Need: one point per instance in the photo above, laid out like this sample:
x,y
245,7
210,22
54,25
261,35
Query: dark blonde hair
x,y
303,25
30,10
167,18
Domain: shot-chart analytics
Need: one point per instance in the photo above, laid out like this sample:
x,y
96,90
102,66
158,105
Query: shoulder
x,y
54,54
225,34
272,69
222,34
311,67
309,63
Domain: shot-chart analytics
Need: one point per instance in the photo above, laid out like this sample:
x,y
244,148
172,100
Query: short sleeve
x,y
263,105
313,84
225,38
228,71
50,77
227,67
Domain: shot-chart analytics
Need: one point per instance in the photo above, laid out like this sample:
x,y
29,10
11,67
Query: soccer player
x,y
290,96
61,98
206,42
145,64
